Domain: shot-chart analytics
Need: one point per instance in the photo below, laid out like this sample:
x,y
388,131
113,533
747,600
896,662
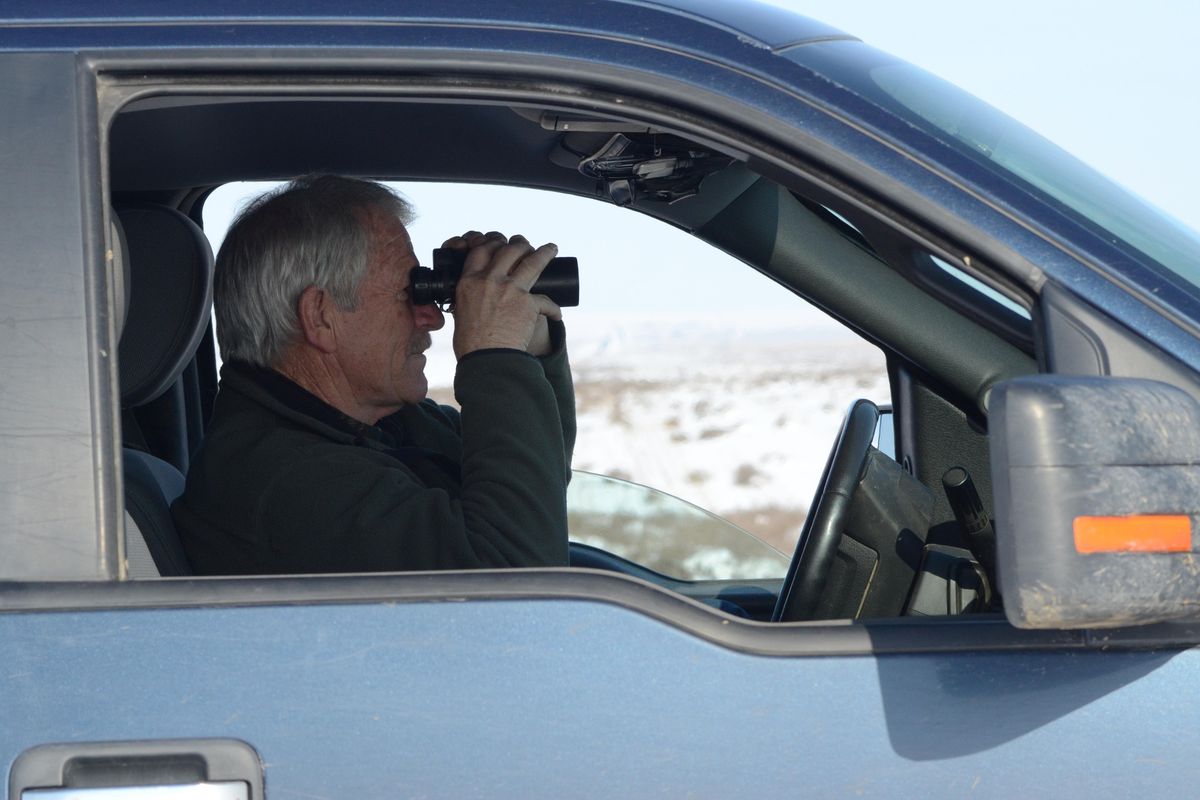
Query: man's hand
x,y
492,303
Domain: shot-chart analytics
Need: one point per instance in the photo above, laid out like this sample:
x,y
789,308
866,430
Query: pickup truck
x,y
994,591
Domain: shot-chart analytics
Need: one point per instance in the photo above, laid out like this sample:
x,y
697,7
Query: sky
x,y
1112,83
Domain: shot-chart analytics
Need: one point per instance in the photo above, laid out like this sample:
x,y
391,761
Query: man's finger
x,y
467,240
483,250
529,268
506,258
547,307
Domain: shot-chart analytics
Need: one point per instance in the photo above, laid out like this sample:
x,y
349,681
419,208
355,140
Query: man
x,y
323,454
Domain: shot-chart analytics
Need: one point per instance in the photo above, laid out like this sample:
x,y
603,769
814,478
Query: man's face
x,y
381,343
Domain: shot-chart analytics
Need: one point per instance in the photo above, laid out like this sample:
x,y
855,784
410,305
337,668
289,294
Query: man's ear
x,y
316,311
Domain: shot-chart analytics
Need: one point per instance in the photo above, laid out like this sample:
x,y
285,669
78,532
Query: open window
x,y
711,386
812,302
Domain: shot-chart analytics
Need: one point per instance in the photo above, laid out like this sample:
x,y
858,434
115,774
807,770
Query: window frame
x,y
106,85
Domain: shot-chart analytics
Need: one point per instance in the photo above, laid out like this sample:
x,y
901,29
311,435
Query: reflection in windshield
x,y
1002,140
1010,151
664,533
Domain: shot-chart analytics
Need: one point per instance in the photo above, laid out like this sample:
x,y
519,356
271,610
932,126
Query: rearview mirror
x,y
1097,490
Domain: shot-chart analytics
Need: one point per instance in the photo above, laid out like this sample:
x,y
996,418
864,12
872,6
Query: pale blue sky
x,y
1112,82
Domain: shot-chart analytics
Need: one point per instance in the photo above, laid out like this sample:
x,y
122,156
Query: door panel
x,y
558,698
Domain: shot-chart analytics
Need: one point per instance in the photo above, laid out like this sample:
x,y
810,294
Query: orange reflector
x,y
1145,533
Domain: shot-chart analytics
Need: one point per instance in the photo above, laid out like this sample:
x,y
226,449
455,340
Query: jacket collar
x,y
291,400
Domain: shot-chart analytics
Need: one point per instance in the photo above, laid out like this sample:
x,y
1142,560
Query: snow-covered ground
x,y
737,419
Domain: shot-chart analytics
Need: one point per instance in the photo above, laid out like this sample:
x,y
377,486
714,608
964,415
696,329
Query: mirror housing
x,y
1097,491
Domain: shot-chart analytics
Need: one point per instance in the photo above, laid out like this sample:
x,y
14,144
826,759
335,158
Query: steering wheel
x,y
817,546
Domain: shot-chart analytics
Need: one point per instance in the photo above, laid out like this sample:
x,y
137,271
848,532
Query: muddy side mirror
x,y
1097,492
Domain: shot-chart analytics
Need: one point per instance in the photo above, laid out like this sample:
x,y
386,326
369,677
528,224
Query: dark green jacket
x,y
284,483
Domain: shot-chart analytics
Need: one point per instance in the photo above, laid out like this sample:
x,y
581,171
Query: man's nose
x,y
429,317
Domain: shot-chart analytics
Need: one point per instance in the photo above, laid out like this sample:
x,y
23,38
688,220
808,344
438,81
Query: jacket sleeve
x,y
557,369
558,372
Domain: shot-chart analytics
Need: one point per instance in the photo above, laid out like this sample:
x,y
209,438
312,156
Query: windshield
x,y
996,140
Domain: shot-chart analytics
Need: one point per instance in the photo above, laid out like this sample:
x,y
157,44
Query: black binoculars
x,y
559,280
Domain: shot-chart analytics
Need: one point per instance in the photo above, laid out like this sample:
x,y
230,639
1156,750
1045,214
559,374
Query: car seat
x,y
167,267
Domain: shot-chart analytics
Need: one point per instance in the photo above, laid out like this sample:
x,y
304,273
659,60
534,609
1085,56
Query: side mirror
x,y
1097,490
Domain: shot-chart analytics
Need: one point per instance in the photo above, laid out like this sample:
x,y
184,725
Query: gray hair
x,y
310,232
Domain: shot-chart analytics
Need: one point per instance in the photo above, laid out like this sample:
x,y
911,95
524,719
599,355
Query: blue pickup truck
x,y
994,592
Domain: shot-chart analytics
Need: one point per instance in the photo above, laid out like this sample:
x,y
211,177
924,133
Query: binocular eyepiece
x,y
559,280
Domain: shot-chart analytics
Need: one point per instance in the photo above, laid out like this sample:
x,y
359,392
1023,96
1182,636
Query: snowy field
x,y
736,419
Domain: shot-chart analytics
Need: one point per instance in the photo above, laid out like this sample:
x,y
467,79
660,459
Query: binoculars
x,y
559,280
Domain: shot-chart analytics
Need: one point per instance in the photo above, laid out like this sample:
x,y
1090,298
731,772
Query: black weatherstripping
x,y
754,596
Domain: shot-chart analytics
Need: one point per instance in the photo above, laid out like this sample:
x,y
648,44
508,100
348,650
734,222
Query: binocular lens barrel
x,y
559,280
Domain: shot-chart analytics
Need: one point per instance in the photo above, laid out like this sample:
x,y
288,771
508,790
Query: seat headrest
x,y
120,270
170,299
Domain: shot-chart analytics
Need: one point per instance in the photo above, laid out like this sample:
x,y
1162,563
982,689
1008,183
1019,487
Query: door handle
x,y
224,790
172,769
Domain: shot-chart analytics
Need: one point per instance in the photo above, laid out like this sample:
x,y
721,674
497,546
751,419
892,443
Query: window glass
x,y
988,133
980,287
694,375
664,533
1011,151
